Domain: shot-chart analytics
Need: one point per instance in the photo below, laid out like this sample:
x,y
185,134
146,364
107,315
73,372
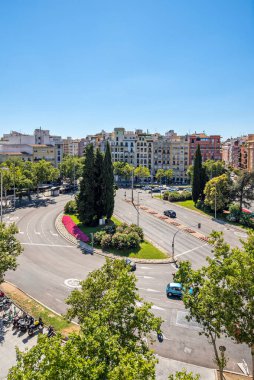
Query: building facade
x,y
210,146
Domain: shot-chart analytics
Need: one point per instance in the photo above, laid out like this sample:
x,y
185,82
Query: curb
x,y
67,236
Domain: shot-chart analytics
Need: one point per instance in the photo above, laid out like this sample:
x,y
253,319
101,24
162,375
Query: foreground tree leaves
x,y
115,331
10,248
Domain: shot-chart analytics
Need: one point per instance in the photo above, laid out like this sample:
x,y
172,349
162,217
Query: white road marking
x,y
37,232
146,268
157,307
50,245
58,300
21,232
72,283
52,233
147,277
190,250
150,290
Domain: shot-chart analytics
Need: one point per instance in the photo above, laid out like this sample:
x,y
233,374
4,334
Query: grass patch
x,y
37,310
191,206
146,250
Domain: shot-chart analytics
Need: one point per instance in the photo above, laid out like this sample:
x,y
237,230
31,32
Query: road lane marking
x,y
58,300
37,232
72,283
147,277
151,290
190,250
21,232
52,233
146,268
157,308
50,245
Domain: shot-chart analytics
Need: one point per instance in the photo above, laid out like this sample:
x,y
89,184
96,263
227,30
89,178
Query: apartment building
x,y
210,146
250,152
26,144
144,150
71,146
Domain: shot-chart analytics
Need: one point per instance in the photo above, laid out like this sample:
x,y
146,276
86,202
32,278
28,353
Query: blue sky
x,y
77,67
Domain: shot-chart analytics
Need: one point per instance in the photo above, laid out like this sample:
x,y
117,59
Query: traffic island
x,y
146,253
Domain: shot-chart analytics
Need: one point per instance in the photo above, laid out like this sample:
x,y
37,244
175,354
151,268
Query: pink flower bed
x,y
73,229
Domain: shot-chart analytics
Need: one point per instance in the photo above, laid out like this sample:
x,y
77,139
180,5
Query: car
x,y
170,213
174,289
131,264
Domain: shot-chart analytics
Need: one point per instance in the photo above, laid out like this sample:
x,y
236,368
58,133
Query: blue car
x,y
174,289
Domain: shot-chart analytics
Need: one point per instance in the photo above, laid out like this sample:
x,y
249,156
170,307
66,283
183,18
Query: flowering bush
x,y
97,237
73,229
106,241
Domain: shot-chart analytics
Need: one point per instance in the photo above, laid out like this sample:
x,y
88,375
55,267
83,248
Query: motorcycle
x,y
51,332
5,303
15,321
37,325
7,318
25,322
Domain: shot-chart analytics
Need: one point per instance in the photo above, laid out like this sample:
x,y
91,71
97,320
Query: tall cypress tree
x,y
197,182
108,184
98,185
85,198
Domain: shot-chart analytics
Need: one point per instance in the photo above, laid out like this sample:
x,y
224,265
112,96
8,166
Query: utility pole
x,y
132,185
215,203
1,198
139,192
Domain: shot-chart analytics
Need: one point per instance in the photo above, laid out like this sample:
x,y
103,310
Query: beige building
x,y
250,152
44,152
71,146
144,151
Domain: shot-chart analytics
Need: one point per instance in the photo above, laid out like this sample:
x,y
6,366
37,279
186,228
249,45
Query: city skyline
x,y
77,68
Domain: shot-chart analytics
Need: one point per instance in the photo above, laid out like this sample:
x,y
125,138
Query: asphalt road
x,y
49,263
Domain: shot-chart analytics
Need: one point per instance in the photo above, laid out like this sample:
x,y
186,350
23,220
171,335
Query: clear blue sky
x,y
76,67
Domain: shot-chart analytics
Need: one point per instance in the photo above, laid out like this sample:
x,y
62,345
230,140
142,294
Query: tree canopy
x,y
217,192
10,248
115,324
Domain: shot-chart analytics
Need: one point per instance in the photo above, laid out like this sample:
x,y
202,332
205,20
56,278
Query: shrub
x,y
235,213
70,207
110,229
122,228
73,229
98,237
106,241
120,240
133,240
166,195
175,196
138,230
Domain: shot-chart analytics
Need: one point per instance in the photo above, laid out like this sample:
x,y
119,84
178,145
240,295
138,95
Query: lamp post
x,y
1,169
215,202
173,243
139,192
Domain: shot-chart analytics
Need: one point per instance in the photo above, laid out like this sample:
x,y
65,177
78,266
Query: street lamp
x,y
139,192
173,243
215,202
1,169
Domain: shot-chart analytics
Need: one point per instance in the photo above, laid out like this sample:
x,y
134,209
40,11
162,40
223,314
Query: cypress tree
x,y
85,198
108,184
197,182
98,185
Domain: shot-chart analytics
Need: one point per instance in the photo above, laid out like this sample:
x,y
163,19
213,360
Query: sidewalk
x,y
166,366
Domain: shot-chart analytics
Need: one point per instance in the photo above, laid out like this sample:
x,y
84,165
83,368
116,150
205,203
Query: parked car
x,y
170,213
131,264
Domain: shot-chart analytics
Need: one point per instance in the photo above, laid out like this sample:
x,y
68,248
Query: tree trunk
x,y
252,357
217,357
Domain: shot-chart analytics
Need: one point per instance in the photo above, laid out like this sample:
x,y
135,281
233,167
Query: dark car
x,y
170,213
131,264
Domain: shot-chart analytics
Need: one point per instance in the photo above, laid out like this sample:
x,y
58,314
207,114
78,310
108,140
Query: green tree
x,y
223,294
183,375
10,248
98,184
142,172
197,182
43,171
214,168
217,192
169,174
233,270
108,184
71,168
160,174
111,345
243,189
85,199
